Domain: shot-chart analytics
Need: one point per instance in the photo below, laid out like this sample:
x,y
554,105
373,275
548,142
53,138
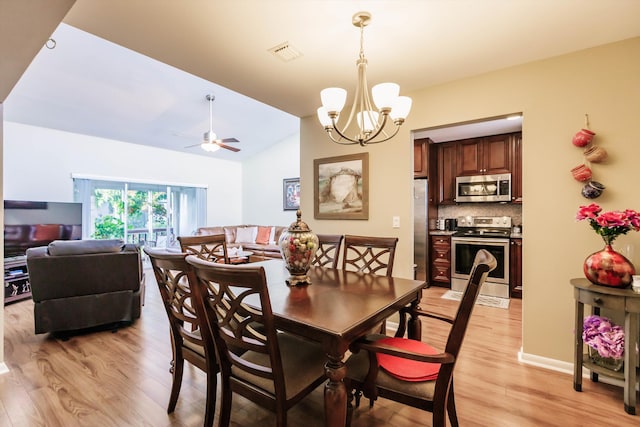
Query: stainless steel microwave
x,y
484,188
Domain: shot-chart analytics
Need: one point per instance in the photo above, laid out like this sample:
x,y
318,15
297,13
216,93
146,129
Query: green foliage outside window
x,y
109,204
108,227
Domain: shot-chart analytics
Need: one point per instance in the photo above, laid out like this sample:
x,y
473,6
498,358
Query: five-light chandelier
x,y
371,122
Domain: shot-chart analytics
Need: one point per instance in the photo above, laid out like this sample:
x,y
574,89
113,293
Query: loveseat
x,y
259,239
78,284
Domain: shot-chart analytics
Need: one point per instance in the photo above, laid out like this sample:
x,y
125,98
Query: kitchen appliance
x,y
420,232
484,188
450,224
473,234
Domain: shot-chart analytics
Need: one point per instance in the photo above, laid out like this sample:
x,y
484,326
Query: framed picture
x,y
341,187
291,194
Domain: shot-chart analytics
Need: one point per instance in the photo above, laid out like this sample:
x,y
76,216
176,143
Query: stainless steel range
x,y
475,233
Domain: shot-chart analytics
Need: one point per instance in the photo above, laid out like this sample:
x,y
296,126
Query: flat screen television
x,y
29,224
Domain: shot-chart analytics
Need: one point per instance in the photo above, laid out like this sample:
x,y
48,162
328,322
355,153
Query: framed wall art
x,y
291,194
341,187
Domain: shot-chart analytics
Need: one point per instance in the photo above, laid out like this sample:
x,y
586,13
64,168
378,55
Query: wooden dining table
x,y
337,308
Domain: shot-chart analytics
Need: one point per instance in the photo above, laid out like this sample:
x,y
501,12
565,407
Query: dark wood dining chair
x,y
171,273
210,247
275,370
369,254
328,250
434,391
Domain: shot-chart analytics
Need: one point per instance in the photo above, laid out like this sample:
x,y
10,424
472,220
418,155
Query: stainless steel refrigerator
x,y
420,226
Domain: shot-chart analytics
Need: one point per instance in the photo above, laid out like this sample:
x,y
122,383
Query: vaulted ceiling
x,y
96,82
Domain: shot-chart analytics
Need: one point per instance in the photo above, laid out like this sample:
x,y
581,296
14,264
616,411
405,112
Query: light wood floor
x,y
122,379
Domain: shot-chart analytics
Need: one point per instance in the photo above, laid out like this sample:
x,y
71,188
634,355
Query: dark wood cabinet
x,y
447,171
421,158
515,268
516,170
494,154
440,260
484,156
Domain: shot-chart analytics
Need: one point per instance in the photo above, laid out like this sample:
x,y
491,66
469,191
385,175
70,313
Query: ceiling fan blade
x,y
228,147
228,140
194,145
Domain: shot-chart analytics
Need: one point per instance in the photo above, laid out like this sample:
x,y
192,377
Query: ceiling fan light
x,y
333,99
210,147
400,108
384,95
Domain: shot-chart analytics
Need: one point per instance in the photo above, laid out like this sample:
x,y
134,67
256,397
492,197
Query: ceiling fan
x,y
211,142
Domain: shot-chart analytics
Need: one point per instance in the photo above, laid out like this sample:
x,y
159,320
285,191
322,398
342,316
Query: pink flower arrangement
x,y
605,337
610,224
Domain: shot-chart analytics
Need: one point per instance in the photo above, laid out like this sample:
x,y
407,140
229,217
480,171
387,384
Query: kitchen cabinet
x,y
515,268
516,168
447,172
440,260
421,158
485,156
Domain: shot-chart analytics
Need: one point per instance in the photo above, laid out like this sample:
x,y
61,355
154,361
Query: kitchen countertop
x,y
441,232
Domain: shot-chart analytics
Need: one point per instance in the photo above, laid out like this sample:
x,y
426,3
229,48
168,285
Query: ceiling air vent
x,y
285,52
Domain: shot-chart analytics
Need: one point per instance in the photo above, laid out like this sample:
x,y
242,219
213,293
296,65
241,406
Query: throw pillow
x,y
408,370
272,236
246,234
263,235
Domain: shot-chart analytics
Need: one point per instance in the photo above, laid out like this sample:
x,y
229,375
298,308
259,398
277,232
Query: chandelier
x,y
371,122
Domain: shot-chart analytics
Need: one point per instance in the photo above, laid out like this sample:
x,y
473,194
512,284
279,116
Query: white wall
x,y
262,190
38,164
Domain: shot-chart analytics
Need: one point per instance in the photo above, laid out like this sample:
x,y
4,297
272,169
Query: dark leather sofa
x,y
80,284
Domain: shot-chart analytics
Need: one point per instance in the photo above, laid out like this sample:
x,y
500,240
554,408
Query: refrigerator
x,y
420,227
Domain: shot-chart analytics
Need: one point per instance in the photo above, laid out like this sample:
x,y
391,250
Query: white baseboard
x,y
563,367
4,369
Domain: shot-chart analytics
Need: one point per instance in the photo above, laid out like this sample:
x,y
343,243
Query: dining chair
x,y
369,254
171,273
328,250
210,247
410,371
275,370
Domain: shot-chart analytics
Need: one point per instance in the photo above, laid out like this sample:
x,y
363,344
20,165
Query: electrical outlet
x,y
396,222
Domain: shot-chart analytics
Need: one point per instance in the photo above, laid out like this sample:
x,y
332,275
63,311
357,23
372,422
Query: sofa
x,y
79,284
260,239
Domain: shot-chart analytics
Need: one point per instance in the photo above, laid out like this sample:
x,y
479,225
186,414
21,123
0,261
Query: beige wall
x,y
554,96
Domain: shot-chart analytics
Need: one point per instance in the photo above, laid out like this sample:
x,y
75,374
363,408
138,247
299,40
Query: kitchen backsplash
x,y
482,209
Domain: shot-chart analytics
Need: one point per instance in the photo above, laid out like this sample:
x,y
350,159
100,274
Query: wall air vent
x,y
285,52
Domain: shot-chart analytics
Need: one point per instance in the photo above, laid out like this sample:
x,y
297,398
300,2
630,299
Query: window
x,y
143,213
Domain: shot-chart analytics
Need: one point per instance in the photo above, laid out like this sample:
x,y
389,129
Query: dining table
x,y
336,309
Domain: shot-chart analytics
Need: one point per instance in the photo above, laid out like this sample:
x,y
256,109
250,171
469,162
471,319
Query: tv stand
x,y
16,279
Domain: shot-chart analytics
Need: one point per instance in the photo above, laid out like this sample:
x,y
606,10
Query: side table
x,y
623,300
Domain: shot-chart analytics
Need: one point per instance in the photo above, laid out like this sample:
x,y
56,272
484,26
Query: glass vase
x,y
298,245
609,268
605,362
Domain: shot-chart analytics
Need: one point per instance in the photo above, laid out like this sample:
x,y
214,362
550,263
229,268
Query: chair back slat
x,y
369,254
328,250
171,273
210,247
484,262
238,313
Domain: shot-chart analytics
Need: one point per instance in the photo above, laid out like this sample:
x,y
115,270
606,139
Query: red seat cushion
x,y
404,369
